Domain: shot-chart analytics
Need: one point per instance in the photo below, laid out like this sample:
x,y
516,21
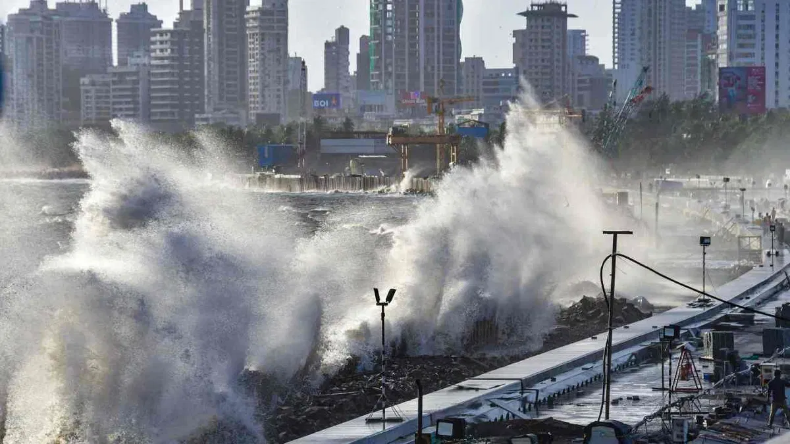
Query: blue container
x,y
479,132
275,155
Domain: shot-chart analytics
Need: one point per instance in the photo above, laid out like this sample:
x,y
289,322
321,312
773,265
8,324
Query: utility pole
x,y
608,379
743,203
773,252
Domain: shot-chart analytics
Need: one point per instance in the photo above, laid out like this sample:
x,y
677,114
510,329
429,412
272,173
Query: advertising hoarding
x,y
412,98
326,101
742,89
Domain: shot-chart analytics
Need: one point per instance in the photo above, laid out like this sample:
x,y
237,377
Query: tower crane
x,y
437,105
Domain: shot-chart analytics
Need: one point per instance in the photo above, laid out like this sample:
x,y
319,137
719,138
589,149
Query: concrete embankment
x,y
311,183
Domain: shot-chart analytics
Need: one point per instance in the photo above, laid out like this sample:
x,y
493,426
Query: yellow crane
x,y
437,105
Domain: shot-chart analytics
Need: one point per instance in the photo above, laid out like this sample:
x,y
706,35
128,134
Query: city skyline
x,y
478,37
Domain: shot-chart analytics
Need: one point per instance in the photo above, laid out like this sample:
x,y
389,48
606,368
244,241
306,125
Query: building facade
x,y
34,45
337,68
129,89
226,55
267,66
177,82
415,45
134,32
473,70
757,33
592,84
650,33
541,50
96,102
362,75
499,87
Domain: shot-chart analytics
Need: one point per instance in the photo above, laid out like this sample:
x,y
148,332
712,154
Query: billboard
x,y
742,89
413,98
326,101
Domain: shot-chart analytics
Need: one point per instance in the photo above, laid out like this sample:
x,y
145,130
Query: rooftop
x,y
547,9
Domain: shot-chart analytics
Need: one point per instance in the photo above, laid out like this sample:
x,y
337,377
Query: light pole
x,y
699,191
773,253
726,199
704,242
743,203
608,380
383,397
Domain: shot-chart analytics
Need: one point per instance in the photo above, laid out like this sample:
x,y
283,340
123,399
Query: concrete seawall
x,y
297,184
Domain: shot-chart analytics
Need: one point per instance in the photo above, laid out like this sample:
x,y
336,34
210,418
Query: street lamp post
x,y
383,397
608,379
743,203
773,253
704,242
726,199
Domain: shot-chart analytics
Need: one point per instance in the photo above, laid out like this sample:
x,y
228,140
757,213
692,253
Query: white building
x,y
541,50
134,32
757,33
129,89
267,69
650,33
409,54
176,79
337,65
34,45
226,55
96,102
473,70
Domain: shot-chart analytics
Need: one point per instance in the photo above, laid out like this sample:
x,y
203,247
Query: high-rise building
x,y
473,71
577,47
129,88
87,36
592,83
337,75
2,39
650,33
226,55
757,33
363,64
267,70
96,102
297,95
415,45
577,42
34,45
177,81
134,32
541,50
499,87
87,49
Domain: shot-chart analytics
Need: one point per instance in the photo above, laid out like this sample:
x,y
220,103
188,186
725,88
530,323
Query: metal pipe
x,y
611,319
419,411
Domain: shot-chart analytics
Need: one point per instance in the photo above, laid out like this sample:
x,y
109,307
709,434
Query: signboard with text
x,y
326,101
412,98
742,89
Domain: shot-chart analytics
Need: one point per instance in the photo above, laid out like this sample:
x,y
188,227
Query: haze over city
x,y
380,221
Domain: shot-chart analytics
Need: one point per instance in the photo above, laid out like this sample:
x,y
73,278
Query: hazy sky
x,y
486,29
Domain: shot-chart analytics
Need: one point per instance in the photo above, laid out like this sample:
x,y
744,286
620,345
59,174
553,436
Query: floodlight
x,y
376,294
772,228
726,179
704,241
670,332
451,428
390,295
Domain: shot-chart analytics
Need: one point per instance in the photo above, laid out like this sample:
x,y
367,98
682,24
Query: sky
x,y
486,29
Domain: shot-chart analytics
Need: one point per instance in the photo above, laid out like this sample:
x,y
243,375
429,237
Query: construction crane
x,y
612,129
438,106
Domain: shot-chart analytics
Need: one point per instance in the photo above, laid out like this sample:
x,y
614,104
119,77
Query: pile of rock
x,y
350,393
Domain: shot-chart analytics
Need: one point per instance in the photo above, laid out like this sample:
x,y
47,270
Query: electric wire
x,y
658,273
